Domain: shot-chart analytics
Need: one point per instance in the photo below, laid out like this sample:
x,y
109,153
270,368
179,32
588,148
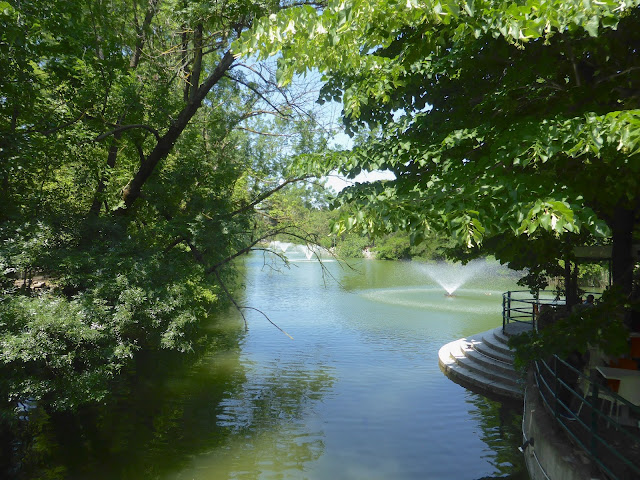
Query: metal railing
x,y
520,306
576,402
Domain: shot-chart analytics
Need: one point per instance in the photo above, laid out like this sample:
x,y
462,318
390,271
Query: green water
x,y
356,394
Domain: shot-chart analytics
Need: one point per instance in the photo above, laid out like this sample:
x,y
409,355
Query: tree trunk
x,y
111,162
571,284
141,33
197,62
622,256
132,190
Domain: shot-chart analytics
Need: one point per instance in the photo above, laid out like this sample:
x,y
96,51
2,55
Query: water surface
x,y
356,394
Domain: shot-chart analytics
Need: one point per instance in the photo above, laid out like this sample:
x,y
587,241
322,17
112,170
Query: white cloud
x,y
338,182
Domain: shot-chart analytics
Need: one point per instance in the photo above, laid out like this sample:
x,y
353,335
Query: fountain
x,y
281,246
470,288
308,252
451,276
293,249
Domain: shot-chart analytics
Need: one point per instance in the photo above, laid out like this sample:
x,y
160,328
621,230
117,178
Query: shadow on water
x,y
171,411
501,430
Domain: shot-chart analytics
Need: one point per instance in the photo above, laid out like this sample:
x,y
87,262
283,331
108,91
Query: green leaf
x,y
592,26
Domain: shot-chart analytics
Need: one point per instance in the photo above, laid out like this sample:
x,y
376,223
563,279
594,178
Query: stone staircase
x,y
483,363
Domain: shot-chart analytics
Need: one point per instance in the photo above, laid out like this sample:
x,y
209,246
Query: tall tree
x,y
132,176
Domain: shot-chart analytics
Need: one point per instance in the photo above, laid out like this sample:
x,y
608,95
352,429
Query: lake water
x,y
356,394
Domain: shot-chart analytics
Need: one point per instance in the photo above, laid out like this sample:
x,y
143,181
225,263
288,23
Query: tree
x,y
501,119
132,173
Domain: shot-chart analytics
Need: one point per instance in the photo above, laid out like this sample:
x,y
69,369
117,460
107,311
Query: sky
x,y
342,140
338,183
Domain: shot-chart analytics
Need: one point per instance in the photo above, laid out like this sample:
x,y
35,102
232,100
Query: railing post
x,y
594,416
555,386
504,318
508,306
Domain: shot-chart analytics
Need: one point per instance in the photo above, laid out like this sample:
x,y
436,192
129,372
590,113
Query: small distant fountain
x,y
293,248
308,252
451,276
281,246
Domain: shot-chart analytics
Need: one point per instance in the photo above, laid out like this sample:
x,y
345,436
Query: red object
x,y
635,347
613,384
626,363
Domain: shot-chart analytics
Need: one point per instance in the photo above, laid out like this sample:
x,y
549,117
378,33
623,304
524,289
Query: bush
x,y
352,246
393,247
601,326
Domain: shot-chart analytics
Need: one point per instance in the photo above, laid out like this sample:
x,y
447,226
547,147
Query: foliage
x,y
398,246
499,119
49,344
352,246
137,157
593,275
601,327
392,247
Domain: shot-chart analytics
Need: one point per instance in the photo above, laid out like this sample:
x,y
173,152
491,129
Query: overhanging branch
x,y
266,195
259,94
128,127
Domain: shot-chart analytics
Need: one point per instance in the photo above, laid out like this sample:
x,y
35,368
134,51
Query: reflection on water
x,y
501,429
357,395
267,415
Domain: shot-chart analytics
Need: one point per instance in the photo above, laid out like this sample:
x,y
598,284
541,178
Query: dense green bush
x,y
351,246
393,247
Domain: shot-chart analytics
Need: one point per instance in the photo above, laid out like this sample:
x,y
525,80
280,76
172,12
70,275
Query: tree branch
x,y
574,64
268,319
233,300
111,163
259,94
141,33
615,75
242,251
132,190
197,61
266,134
54,129
267,194
128,127
200,259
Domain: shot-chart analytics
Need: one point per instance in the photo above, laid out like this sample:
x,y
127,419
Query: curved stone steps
x,y
500,366
499,341
490,347
484,363
501,336
475,381
464,353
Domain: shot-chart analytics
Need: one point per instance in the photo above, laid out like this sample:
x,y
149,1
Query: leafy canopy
x,y
134,168
498,117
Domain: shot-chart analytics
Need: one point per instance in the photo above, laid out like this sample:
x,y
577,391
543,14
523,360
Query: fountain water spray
x,y
277,245
451,276
294,248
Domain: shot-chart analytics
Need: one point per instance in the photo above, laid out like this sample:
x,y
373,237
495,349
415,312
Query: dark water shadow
x,y
170,410
501,430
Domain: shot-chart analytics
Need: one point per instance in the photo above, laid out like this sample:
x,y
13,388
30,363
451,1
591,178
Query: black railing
x,y
520,306
576,401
